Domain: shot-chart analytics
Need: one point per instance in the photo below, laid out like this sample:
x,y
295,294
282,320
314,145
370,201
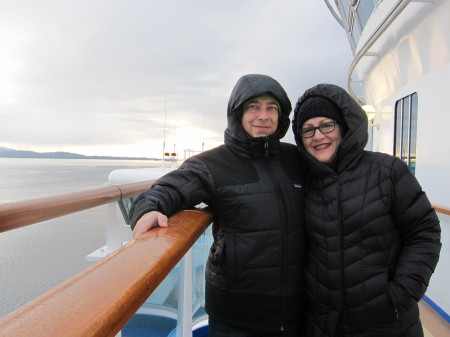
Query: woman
x,y
373,237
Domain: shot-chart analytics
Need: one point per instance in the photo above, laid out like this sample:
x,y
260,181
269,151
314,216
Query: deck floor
x,y
433,324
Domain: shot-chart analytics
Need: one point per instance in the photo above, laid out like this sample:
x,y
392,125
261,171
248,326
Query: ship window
x,y
359,14
363,12
405,137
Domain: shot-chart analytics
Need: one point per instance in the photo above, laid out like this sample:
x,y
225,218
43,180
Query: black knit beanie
x,y
318,106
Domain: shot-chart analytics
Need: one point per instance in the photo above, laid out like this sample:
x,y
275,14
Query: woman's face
x,y
323,146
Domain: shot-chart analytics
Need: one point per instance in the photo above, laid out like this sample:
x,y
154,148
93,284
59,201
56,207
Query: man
x,y
252,184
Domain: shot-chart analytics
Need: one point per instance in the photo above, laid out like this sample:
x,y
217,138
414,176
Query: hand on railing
x,y
100,300
148,221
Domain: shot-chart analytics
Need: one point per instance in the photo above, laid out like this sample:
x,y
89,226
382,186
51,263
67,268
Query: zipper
x,y
341,231
266,148
284,233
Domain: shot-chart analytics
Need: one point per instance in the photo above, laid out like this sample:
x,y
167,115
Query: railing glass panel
x,y
162,314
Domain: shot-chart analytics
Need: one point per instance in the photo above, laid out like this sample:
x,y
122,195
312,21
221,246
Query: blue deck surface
x,y
155,326
146,325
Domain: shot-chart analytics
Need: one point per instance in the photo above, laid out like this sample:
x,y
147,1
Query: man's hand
x,y
148,221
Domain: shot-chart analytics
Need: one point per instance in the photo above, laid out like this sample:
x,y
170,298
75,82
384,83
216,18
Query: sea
x,y
36,258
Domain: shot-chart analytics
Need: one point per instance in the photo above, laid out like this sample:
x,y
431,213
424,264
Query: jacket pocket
x,y
400,298
217,264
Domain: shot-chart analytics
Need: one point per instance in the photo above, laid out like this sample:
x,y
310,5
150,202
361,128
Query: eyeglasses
x,y
324,128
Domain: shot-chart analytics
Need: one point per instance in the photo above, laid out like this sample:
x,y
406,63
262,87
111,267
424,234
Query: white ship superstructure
x,y
400,73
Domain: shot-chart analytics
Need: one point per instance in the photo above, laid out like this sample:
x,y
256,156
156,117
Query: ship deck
x,y
433,324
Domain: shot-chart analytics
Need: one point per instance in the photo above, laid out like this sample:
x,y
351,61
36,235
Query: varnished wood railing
x,y
23,213
441,209
101,299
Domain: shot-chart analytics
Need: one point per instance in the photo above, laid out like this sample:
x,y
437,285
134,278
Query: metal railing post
x,y
184,323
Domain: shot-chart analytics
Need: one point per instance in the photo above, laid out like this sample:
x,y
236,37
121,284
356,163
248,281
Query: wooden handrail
x,y
23,213
441,209
100,300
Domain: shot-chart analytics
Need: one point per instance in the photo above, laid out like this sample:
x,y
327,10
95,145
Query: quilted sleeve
x,y
180,189
420,233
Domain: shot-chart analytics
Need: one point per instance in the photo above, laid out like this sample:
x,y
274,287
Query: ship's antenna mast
x,y
165,117
203,130
175,140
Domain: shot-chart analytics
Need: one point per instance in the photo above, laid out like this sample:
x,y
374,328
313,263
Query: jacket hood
x,y
248,87
354,117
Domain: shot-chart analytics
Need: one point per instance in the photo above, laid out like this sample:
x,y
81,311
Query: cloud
x,y
108,75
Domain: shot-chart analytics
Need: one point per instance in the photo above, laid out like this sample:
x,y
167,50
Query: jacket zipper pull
x,y
266,149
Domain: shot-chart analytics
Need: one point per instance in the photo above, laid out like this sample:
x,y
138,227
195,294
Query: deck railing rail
x,y
101,299
23,213
441,209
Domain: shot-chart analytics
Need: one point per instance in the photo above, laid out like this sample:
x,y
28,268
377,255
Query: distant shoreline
x,y
11,153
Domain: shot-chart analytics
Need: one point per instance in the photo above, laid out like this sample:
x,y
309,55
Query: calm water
x,y
38,257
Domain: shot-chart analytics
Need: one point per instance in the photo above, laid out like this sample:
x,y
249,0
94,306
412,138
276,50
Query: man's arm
x,y
180,189
148,221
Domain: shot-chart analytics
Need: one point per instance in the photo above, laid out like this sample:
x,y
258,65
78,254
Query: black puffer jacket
x,y
253,185
373,238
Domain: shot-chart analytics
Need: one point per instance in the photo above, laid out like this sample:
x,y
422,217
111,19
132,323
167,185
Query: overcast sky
x,y
103,77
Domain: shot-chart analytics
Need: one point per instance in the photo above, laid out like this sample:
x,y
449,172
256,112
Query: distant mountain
x,y
11,153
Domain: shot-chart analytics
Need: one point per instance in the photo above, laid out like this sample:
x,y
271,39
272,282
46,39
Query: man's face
x,y
260,118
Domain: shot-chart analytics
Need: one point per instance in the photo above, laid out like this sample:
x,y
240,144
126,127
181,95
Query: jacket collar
x,y
248,147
